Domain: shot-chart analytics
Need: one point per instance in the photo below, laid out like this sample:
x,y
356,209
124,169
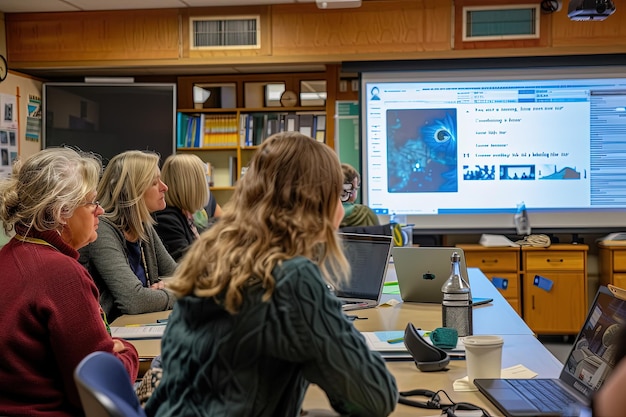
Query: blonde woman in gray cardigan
x,y
128,259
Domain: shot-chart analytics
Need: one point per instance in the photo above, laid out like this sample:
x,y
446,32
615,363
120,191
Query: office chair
x,y
105,388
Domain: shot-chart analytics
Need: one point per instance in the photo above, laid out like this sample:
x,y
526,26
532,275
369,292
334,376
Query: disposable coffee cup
x,y
483,357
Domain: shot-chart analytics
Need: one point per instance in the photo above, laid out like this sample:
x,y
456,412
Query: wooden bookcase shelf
x,y
226,130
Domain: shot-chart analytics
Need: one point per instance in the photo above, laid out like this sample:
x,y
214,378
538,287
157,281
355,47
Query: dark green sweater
x,y
259,362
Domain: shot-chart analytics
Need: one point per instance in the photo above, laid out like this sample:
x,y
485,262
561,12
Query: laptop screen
x,y
591,358
368,256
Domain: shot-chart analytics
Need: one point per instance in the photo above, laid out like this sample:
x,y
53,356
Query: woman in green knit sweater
x,y
255,322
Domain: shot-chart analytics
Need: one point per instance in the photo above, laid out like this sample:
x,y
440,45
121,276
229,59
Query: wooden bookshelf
x,y
226,135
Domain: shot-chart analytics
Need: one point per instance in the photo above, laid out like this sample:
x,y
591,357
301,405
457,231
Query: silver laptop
x,y
368,256
587,366
421,271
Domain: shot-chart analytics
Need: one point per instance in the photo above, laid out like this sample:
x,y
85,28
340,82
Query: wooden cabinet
x,y
612,259
223,119
554,288
562,308
501,263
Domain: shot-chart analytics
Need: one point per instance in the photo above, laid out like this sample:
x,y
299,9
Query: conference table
x,y
521,347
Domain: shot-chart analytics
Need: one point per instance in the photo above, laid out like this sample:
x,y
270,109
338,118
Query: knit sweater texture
x,y
50,320
259,362
121,292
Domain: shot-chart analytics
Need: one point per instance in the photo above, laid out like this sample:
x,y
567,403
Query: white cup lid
x,y
483,341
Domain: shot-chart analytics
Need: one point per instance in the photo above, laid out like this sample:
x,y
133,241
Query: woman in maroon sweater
x,y
49,311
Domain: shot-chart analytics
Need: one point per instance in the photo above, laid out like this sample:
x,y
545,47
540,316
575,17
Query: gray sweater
x,y
121,292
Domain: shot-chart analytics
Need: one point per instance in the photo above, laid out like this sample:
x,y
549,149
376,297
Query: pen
x,y
397,340
142,325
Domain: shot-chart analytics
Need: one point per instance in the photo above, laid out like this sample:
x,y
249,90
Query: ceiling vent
x,y
236,32
487,23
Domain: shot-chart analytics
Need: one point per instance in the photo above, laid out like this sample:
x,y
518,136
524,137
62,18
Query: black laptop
x,y
368,256
587,366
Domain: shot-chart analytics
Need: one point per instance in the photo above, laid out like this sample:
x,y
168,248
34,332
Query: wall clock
x,y
288,99
4,68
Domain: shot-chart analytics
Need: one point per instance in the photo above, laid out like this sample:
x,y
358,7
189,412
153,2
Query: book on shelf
x,y
254,128
182,124
305,122
319,128
209,174
220,130
192,138
232,169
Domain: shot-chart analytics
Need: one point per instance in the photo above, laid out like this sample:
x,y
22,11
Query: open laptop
x,y
588,364
422,271
368,256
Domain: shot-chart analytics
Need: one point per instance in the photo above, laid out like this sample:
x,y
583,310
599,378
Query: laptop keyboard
x,y
545,394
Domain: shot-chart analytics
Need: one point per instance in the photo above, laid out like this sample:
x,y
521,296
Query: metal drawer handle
x,y
493,261
550,260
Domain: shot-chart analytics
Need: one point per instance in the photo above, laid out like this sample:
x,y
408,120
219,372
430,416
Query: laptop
x,y
422,271
588,364
368,256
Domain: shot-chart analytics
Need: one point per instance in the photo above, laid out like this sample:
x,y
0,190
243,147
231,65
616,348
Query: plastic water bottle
x,y
456,307
522,223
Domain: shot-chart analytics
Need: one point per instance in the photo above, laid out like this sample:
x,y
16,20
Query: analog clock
x,y
288,99
4,68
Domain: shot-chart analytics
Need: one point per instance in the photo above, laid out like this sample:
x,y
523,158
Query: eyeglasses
x,y
95,204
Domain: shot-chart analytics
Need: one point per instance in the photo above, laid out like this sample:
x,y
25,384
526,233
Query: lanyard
x,y
34,240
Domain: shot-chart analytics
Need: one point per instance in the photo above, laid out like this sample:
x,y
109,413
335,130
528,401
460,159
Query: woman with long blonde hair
x,y
128,259
255,321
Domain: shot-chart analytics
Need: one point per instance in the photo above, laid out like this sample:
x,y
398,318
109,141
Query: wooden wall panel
x,y
81,36
375,27
290,33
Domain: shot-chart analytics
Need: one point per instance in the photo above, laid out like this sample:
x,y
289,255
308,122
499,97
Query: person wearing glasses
x,y
355,214
256,322
49,311
128,259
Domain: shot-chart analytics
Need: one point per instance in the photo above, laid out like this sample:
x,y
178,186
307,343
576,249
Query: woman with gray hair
x,y
128,259
49,311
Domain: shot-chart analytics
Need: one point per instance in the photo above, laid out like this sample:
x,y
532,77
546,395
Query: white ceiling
x,y
25,6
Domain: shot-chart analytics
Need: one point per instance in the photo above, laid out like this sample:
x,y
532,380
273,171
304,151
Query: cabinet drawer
x,y
559,260
619,280
619,260
494,261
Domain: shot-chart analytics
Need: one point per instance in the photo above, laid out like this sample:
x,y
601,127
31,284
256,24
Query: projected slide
x,y
483,147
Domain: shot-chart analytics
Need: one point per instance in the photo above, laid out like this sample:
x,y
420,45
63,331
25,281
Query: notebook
x,y
422,271
368,256
588,364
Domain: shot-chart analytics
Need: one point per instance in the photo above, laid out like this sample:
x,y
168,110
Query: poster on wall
x,y
8,133
8,111
33,118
